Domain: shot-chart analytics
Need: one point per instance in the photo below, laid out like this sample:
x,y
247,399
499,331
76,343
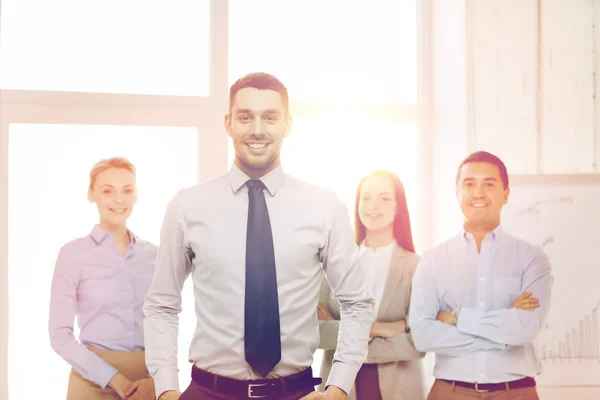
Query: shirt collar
x,y
99,234
495,234
272,180
387,249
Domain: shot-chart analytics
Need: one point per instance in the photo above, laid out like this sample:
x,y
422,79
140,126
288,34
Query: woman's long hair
x,y
401,224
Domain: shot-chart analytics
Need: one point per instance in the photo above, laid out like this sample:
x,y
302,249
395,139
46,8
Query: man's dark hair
x,y
261,81
485,157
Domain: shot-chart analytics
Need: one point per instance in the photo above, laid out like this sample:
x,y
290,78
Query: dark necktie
x,y
262,342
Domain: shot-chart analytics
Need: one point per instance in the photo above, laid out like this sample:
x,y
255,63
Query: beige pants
x,y
130,364
446,391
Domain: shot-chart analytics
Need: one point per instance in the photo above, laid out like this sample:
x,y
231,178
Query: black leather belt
x,y
495,387
256,389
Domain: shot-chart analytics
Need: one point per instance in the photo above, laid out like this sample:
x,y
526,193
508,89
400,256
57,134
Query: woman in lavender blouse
x,y
102,279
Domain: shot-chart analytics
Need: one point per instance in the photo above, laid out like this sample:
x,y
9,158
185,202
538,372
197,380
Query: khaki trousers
x,y
446,391
131,364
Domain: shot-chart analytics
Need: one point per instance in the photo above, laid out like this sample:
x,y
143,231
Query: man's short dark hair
x,y
485,157
261,81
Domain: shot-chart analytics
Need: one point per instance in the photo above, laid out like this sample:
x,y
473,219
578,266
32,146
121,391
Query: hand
x,y
120,384
170,395
445,317
387,329
324,314
142,389
526,302
332,393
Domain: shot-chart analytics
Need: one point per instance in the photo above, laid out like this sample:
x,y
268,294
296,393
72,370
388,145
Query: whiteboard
x,y
561,213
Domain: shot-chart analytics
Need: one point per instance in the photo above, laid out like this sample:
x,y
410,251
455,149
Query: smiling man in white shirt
x,y
256,242
480,298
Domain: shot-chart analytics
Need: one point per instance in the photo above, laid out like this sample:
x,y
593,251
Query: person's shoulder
x,y
411,257
74,252
440,251
146,246
75,246
446,245
302,184
310,190
404,258
523,249
515,241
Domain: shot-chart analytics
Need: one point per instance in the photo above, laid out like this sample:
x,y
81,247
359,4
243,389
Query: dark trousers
x,y
197,392
367,383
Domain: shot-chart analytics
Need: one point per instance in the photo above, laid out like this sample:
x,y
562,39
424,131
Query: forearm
x,y
351,351
341,264
120,384
85,362
397,348
162,304
62,312
380,329
512,327
430,335
160,336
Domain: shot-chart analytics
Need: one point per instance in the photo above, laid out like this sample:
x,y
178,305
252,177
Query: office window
x,y
329,50
48,180
109,46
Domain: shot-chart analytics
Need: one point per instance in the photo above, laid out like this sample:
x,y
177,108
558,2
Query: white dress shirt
x,y
204,233
376,263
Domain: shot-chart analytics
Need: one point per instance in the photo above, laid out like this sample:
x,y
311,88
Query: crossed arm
x,y
389,341
479,330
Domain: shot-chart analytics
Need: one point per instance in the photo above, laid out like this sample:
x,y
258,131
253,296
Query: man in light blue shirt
x,y
479,299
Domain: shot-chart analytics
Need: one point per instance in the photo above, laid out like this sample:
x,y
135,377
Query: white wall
x,y
505,83
485,88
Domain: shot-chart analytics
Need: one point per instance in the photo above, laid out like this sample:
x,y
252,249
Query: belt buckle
x,y
251,386
479,390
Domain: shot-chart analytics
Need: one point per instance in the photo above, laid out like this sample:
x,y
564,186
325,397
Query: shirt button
x,y
481,304
482,279
128,286
130,333
129,310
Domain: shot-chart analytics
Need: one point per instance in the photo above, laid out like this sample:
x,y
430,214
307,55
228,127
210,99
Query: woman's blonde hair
x,y
103,165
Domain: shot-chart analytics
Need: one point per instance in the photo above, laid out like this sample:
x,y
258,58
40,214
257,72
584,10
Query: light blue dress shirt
x,y
492,342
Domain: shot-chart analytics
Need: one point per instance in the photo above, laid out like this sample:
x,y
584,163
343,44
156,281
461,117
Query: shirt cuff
x,y
469,320
166,379
343,376
103,374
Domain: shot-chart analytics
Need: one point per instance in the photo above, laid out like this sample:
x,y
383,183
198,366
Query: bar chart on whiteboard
x,y
562,216
579,343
